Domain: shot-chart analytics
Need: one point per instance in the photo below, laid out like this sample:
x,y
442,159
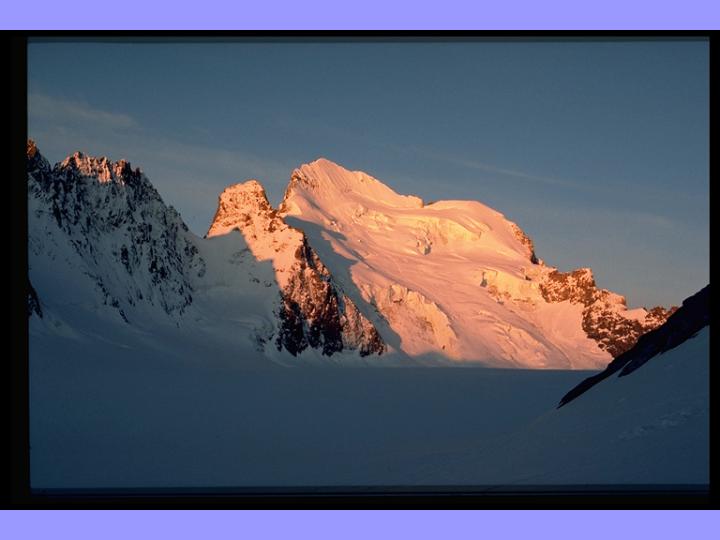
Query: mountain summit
x,y
344,269
457,278
314,312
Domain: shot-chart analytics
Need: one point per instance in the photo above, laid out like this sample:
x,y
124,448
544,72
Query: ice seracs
x,y
344,268
144,337
473,287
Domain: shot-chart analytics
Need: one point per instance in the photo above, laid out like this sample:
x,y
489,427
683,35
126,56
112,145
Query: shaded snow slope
x,y
456,278
688,320
185,413
101,238
649,428
178,412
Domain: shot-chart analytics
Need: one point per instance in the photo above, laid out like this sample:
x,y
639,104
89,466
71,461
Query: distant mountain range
x,y
345,270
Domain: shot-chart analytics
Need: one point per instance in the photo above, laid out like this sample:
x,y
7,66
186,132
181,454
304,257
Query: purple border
x,y
359,525
363,14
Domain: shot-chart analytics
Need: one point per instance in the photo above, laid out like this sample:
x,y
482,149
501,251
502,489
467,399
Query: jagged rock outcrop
x,y
605,316
107,230
681,325
357,266
526,241
313,312
134,248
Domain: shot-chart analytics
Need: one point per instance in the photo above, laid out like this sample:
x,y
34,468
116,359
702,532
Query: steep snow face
x,y
99,234
455,279
313,312
651,428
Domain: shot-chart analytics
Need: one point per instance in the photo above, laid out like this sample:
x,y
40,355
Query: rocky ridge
x,y
451,279
605,317
113,218
480,290
314,312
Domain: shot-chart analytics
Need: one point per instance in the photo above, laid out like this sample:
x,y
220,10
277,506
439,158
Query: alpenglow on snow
x,y
345,270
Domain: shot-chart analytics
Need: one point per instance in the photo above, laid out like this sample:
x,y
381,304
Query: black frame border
x,y
539,497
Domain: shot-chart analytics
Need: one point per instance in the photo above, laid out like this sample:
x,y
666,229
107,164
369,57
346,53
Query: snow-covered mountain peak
x,y
325,180
104,224
345,263
457,278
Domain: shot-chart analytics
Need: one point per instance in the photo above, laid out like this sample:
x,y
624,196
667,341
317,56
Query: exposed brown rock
x,y
604,318
527,242
313,311
31,149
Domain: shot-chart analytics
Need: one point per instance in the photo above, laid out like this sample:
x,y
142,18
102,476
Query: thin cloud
x,y
425,153
42,107
595,187
512,173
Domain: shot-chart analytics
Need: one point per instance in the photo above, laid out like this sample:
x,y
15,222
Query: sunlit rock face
x,y
344,266
313,312
606,318
103,227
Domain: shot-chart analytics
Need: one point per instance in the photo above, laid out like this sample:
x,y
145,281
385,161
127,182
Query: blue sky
x,y
599,150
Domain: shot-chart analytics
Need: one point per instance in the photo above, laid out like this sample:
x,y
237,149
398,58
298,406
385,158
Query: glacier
x,y
330,341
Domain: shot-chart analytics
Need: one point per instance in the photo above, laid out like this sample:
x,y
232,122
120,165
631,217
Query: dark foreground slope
x,y
687,321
